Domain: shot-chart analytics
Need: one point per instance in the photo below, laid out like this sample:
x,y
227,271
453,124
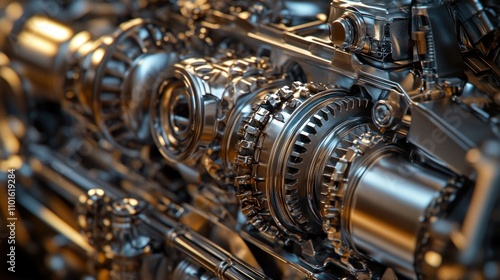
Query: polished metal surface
x,y
386,201
262,139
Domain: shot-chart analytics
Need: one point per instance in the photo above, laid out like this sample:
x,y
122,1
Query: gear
x,y
290,133
117,77
191,110
250,79
335,179
330,122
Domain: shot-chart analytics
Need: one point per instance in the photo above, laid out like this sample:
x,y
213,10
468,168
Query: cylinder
x,y
385,207
39,47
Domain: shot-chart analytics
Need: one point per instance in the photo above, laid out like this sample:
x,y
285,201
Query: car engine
x,y
258,139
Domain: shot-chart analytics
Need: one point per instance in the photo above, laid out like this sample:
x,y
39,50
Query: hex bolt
x,y
382,114
127,207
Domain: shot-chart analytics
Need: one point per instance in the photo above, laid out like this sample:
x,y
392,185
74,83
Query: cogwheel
x,y
254,202
116,87
334,181
191,110
281,145
248,79
339,152
331,122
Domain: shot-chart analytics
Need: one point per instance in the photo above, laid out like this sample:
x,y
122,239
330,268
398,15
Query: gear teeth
x,y
242,76
256,207
299,148
332,110
304,137
335,181
120,56
295,160
319,118
291,171
285,92
312,131
324,114
290,198
339,106
311,128
278,106
248,210
289,184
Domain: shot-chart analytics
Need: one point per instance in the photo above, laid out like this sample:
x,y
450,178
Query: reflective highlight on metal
x,y
262,139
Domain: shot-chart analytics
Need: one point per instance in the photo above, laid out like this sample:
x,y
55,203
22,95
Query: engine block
x,y
261,139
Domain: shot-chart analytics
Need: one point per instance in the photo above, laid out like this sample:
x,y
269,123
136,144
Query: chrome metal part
x,y
374,28
399,194
263,139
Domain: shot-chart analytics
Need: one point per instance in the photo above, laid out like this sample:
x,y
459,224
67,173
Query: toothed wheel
x,y
123,72
322,131
190,112
281,148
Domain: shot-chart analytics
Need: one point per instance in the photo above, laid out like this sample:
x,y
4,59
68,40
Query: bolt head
x,y
127,207
382,114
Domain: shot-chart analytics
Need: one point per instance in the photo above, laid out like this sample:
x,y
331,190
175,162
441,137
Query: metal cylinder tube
x,y
39,48
385,205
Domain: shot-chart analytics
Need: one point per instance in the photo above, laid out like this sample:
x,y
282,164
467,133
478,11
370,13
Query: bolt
x,y
93,200
127,207
382,114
